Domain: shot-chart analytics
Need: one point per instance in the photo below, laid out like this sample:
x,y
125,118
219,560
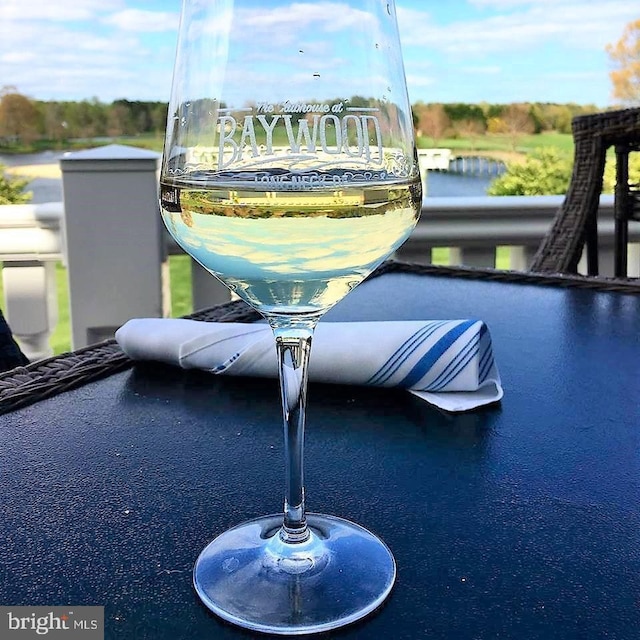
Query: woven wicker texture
x,y
25,385
575,223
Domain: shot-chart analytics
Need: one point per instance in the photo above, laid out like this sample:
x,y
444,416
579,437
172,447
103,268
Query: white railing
x,y
109,235
434,159
31,242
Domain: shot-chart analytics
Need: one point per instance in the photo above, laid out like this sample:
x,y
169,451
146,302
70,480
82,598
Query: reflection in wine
x,y
290,251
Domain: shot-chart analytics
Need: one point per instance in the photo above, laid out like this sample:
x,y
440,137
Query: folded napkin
x,y
448,363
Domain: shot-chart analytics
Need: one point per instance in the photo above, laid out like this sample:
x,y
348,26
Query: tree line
x,y
26,122
459,120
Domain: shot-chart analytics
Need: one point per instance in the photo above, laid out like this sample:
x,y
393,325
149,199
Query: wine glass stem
x,y
293,346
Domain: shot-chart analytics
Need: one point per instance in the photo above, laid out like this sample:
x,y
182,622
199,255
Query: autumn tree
x,y
625,57
18,117
433,121
517,122
471,129
557,117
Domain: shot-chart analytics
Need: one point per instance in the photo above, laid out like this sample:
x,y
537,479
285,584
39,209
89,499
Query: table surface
x,y
519,520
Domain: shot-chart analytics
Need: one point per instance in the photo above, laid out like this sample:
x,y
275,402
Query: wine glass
x,y
290,173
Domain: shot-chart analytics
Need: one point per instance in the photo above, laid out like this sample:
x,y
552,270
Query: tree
x,y
544,172
54,124
625,57
459,111
158,116
119,120
471,129
514,121
517,121
558,117
18,117
432,121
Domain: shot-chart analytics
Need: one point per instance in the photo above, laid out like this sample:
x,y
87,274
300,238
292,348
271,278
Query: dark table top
x,y
520,520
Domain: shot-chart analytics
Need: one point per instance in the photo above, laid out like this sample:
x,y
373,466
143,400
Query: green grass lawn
x,y
502,145
563,142
181,301
151,141
180,278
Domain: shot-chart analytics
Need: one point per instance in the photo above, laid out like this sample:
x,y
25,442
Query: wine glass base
x,y
250,577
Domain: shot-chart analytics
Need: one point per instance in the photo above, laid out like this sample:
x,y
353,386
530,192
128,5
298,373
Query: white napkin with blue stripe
x,y
448,363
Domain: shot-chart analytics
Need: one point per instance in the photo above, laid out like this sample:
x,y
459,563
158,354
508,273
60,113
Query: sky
x,y
497,51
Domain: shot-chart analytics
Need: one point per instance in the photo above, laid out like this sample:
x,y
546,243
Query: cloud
x,y
511,50
18,57
573,75
580,25
321,16
505,4
75,49
56,11
418,81
488,70
140,21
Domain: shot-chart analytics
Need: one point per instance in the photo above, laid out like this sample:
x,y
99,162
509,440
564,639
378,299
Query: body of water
x,y
45,190
439,184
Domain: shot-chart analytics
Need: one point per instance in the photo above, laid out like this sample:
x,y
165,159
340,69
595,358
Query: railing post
x,y
520,257
633,267
30,246
414,251
31,305
115,239
473,256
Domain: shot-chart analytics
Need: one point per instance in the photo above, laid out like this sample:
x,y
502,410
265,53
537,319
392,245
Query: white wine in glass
x,y
290,173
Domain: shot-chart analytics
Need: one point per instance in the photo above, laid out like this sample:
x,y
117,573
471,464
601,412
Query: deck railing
x,y
109,236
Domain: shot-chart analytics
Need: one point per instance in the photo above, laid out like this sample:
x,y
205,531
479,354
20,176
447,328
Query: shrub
x,y
12,189
544,172
610,172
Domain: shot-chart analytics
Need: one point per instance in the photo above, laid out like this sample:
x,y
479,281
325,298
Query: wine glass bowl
x,y
290,173
321,243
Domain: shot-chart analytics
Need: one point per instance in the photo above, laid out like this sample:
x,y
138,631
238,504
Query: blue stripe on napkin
x,y
433,354
397,359
487,362
457,364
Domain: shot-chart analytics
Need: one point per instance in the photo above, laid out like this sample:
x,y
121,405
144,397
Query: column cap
x,y
113,157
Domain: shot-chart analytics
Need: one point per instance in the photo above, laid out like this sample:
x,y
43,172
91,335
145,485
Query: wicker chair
x,y
576,222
